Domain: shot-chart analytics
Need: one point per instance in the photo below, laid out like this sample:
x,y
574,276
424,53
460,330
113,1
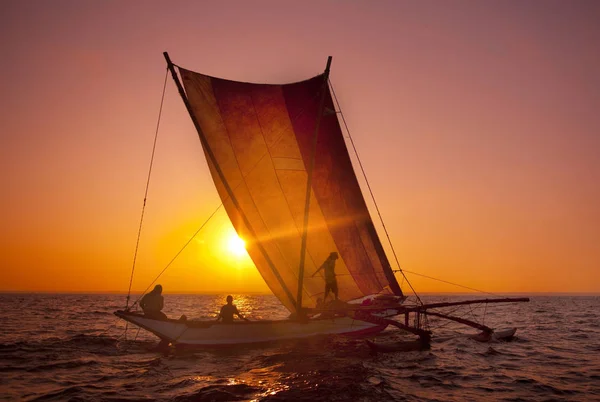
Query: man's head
x,y
157,289
334,255
229,299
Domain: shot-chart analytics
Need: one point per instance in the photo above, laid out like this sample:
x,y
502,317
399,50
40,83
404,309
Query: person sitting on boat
x,y
152,303
228,310
330,280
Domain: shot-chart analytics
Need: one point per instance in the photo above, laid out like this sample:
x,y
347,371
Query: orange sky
x,y
478,125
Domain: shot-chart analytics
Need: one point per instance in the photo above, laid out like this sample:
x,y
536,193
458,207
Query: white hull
x,y
212,333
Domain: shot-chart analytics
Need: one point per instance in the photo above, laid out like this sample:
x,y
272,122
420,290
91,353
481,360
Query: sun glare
x,y
236,246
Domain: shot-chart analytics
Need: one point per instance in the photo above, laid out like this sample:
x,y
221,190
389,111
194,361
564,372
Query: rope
x,y
137,243
177,255
372,195
472,314
451,283
136,334
484,312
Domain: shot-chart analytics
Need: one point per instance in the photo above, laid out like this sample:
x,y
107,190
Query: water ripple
x,y
71,347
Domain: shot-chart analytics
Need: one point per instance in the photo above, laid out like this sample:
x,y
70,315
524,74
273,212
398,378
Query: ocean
x,y
56,347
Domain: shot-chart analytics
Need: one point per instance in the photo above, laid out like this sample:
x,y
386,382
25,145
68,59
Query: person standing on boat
x,y
227,312
152,303
330,280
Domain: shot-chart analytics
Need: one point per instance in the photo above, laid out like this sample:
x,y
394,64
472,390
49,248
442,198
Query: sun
x,y
235,245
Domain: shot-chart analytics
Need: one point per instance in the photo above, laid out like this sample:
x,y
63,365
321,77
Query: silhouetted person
x,y
330,281
152,303
320,304
227,312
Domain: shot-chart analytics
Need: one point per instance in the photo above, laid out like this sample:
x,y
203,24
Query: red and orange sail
x,y
261,138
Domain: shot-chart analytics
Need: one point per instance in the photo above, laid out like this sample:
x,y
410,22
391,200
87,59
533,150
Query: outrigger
x,y
340,319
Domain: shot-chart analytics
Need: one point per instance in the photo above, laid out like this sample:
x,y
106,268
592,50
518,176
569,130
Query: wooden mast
x,y
309,187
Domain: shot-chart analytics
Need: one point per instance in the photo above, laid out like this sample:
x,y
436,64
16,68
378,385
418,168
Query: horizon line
x,y
218,292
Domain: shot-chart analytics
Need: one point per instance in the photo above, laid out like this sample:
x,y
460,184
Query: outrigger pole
x,y
424,307
364,313
228,188
309,187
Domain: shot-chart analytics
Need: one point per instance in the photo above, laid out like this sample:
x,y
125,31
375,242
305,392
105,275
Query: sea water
x,y
72,347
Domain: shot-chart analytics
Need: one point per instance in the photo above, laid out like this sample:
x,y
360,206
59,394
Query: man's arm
x,y
237,312
219,316
320,268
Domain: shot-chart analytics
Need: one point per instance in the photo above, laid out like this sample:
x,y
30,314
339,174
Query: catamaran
x,y
280,164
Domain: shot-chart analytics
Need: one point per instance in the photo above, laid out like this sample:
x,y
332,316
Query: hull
x,y
211,333
503,335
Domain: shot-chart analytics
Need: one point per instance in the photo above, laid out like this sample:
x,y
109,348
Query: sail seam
x,y
267,152
290,269
247,223
280,135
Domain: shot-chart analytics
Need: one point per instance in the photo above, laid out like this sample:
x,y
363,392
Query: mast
x,y
228,188
309,186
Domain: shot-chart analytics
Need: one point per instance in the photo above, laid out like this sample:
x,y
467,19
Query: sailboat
x,y
281,167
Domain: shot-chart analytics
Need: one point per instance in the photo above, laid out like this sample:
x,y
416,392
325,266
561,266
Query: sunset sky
x,y
477,122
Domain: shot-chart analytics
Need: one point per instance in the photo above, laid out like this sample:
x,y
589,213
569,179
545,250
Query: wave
x,y
235,392
82,354
69,364
66,393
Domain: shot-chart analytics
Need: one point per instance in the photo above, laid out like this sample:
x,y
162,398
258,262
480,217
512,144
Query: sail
x,y
260,137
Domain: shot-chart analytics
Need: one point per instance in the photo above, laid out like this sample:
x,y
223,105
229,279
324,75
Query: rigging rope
x,y
450,283
137,243
179,252
371,192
